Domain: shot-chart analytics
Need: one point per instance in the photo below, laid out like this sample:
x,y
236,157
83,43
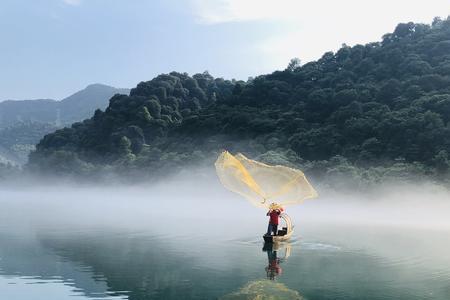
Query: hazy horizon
x,y
68,95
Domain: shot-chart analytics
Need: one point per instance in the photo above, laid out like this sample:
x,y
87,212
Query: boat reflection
x,y
273,269
277,254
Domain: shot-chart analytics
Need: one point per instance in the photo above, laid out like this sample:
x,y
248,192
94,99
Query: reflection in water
x,y
343,264
273,268
268,289
262,290
29,271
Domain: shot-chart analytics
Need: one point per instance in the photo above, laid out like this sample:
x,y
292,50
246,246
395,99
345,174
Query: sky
x,y
53,48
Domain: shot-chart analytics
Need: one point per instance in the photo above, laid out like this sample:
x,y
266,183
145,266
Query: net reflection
x,y
277,254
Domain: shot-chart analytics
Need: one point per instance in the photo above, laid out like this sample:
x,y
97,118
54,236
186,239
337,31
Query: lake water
x,y
103,248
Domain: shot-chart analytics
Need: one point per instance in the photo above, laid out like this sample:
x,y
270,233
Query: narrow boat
x,y
284,233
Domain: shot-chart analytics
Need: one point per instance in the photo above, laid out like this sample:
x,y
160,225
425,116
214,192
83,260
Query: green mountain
x,y
24,122
374,110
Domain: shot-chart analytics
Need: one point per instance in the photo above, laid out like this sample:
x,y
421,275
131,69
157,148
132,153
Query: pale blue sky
x,y
52,48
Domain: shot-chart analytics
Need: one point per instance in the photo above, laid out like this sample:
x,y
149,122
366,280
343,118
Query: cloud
x,y
224,11
72,2
325,25
307,29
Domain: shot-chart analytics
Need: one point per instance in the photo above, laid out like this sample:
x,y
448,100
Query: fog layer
x,y
420,205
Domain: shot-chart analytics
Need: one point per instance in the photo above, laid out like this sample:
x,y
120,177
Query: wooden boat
x,y
284,233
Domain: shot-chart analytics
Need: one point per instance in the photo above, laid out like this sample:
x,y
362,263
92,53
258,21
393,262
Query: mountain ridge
x,y
45,110
89,86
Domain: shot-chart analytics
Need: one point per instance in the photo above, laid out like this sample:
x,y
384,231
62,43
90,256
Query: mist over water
x,y
189,238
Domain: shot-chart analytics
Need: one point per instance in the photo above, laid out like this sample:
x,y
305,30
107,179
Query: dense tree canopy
x,y
368,106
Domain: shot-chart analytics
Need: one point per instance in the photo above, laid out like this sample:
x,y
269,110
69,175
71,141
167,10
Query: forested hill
x,y
384,106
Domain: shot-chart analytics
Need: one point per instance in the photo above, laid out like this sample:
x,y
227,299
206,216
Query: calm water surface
x,y
184,258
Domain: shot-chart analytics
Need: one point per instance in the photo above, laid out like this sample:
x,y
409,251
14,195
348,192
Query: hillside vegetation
x,y
370,111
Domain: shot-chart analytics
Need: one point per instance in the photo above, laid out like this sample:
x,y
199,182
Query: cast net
x,y
261,184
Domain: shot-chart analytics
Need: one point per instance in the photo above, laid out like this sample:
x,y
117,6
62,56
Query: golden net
x,y
262,184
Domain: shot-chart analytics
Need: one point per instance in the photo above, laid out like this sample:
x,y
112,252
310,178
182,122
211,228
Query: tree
x,y
442,161
293,65
124,146
144,114
154,108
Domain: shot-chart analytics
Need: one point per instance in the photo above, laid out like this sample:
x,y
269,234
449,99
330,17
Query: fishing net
x,y
261,184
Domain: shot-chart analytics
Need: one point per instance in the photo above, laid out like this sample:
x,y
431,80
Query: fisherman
x,y
273,213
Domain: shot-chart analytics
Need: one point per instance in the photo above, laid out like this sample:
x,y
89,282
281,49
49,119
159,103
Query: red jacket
x,y
273,216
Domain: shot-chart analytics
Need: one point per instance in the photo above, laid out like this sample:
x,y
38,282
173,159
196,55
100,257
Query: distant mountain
x,y
24,122
16,141
74,108
82,104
